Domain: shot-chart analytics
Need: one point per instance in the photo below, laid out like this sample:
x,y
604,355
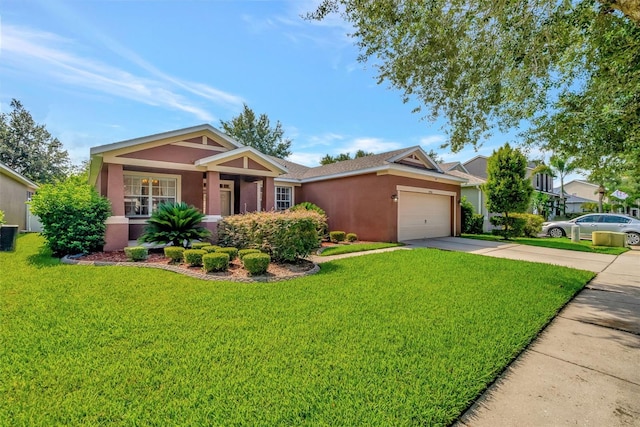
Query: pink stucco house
x,y
393,196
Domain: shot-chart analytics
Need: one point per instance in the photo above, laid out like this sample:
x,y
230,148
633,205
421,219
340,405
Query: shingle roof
x,y
297,171
472,180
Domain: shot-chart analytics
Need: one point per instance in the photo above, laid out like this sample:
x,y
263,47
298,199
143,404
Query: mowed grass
x,y
552,242
401,338
357,247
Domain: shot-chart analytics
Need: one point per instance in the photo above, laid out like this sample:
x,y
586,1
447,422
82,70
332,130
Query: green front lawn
x,y
552,242
400,338
357,247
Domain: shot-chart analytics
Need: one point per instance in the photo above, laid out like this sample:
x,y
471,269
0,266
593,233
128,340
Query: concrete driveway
x,y
584,368
581,260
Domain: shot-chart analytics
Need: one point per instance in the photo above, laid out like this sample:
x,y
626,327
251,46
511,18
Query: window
x,y
143,194
615,219
284,198
589,218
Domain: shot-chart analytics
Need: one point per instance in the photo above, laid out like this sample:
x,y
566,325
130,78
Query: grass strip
x,y
398,338
356,247
553,242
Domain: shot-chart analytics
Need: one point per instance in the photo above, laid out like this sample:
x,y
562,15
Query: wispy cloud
x,y
43,53
432,140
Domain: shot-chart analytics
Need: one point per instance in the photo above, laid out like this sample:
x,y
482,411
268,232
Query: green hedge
x,y
337,236
285,236
174,253
243,252
193,257
232,252
136,253
210,248
73,216
532,224
200,245
215,261
256,263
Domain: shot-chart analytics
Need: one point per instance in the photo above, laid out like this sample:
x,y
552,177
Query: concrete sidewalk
x,y
584,369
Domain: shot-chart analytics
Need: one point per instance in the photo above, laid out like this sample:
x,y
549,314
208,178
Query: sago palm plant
x,y
175,223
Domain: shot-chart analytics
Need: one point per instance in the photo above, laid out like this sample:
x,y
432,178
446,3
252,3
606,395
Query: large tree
x,y
485,64
29,149
507,188
258,133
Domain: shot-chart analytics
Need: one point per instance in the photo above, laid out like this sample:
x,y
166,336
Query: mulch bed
x,y
275,272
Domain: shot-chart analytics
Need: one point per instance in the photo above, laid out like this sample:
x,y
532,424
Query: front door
x,y
226,198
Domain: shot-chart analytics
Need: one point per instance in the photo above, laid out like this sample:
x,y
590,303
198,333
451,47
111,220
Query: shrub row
x,y
285,236
519,224
216,258
341,236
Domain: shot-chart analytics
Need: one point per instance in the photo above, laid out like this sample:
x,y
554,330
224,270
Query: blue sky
x,y
98,71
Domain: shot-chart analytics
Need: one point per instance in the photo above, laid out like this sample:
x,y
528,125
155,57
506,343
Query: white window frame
x,y
151,177
279,201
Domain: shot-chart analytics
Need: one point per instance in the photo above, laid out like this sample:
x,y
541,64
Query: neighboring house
x,y
475,171
15,192
574,204
583,189
392,196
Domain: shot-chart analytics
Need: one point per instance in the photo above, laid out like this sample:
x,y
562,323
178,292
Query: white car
x,y
596,222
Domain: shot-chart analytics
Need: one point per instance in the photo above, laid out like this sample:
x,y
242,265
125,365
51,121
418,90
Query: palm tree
x,y
561,167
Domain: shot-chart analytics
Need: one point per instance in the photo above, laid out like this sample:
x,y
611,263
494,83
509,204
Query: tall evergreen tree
x,y
257,132
29,149
507,188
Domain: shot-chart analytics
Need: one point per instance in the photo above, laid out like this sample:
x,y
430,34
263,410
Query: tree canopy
x,y
257,132
570,68
328,158
29,149
507,188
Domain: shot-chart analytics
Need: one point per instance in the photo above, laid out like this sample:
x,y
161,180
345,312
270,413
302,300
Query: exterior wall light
x,y
394,198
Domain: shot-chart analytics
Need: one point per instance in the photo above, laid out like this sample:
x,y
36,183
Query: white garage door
x,y
423,215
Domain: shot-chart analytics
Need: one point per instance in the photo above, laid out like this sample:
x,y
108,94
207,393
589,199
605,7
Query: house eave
x,y
6,170
164,135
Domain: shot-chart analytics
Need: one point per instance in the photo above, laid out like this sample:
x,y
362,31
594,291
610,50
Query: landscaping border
x,y
195,274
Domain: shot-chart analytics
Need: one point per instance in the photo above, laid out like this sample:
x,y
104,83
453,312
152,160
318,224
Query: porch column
x,y
117,231
213,193
115,188
269,194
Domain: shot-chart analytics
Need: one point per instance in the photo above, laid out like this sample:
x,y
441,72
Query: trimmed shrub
x,y
73,216
243,252
337,236
285,236
193,257
136,253
2,217
476,224
174,253
200,245
176,223
232,252
308,206
215,261
515,229
352,237
256,263
532,224
210,248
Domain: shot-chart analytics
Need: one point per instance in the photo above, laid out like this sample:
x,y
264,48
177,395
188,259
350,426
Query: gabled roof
x,y
166,135
250,152
6,170
582,181
472,180
412,159
450,166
